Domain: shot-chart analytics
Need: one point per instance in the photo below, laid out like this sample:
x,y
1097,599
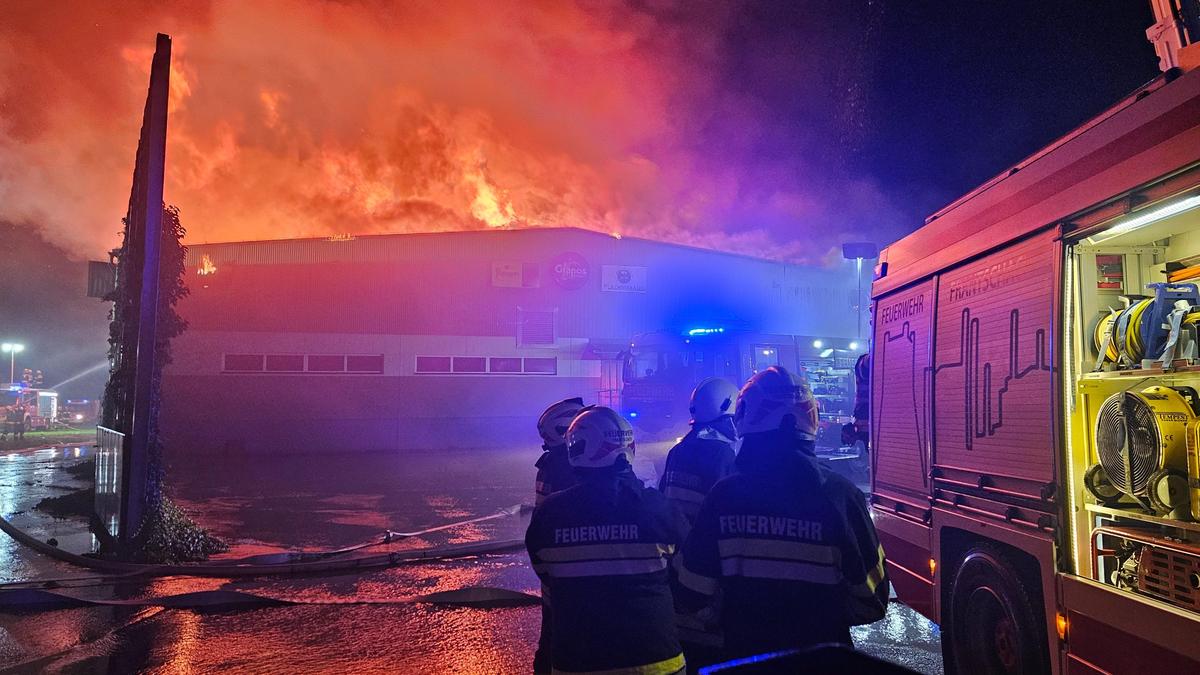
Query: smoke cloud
x,y
295,119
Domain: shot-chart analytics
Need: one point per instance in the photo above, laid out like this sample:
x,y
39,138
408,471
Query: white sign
x,y
622,279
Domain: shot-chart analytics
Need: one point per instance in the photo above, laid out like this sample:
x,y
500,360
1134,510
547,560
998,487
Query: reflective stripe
x,y
777,548
758,568
683,494
601,568
670,666
604,551
697,583
874,578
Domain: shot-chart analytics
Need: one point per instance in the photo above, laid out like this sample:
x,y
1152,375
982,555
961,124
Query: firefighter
x,y
704,456
4,413
789,544
706,453
554,474
860,428
14,421
601,549
25,423
553,469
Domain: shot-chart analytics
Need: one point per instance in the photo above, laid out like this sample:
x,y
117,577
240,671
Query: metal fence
x,y
109,446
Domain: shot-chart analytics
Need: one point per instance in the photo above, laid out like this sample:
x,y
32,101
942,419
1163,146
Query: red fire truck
x,y
1035,415
659,371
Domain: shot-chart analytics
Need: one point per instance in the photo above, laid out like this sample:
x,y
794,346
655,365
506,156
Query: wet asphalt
x,y
292,501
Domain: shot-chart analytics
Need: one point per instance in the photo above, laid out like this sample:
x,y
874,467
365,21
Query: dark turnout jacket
x,y
601,549
792,548
554,473
693,466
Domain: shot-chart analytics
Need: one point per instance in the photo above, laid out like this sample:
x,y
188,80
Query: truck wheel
x,y
993,624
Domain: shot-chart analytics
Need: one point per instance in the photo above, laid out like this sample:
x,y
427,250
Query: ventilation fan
x,y
1140,441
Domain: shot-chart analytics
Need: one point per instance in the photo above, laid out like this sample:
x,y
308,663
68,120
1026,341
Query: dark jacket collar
x,y
775,453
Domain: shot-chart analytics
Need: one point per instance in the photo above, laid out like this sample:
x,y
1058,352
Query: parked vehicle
x,y
659,371
1035,418
42,404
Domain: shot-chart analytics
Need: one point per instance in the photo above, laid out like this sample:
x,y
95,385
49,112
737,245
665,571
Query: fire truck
x,y
42,404
1035,402
660,369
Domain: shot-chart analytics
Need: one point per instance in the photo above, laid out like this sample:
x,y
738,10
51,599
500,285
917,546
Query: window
x,y
326,363
244,363
535,328
470,364
433,364
504,364
285,363
371,363
541,366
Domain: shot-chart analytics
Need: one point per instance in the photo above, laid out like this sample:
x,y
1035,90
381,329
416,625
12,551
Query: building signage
x,y
570,271
506,274
514,275
622,279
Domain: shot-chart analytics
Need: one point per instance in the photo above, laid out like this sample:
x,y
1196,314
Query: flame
x,y
206,266
294,118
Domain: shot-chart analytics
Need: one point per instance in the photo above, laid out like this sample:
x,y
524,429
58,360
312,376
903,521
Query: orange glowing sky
x,y
293,119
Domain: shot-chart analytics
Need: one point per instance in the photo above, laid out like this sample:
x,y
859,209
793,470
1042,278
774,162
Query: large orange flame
x,y
292,118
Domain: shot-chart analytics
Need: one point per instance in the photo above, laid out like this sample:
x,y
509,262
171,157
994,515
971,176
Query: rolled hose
x,y
1102,329
306,563
1127,334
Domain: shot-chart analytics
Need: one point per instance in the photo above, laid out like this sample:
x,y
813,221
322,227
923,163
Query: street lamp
x,y
12,348
859,251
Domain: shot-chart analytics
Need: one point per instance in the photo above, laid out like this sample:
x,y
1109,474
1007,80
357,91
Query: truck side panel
x,y
994,364
900,397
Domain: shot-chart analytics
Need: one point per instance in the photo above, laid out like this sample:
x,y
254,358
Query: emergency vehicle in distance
x,y
42,404
1035,414
660,370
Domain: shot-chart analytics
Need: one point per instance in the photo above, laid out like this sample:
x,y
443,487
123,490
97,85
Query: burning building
x,y
459,339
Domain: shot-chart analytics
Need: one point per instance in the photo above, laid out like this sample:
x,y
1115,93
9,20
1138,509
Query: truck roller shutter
x,y
993,381
900,434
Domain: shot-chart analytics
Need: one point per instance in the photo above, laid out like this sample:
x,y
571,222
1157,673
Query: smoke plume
x,y
295,119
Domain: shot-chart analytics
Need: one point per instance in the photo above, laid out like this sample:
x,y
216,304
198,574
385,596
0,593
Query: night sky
x,y
772,128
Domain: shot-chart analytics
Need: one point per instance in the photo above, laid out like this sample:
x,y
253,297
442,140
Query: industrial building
x,y
459,339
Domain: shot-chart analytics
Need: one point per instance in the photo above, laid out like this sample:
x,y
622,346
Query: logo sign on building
x,y
515,275
570,271
623,279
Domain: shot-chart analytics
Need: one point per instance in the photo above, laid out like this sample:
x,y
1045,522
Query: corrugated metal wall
x,y
441,284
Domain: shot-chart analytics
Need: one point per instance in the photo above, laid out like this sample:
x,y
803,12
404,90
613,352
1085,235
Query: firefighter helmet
x,y
713,398
598,437
776,399
553,423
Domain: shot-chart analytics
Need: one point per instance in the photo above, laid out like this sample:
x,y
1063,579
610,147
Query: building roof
x,y
421,244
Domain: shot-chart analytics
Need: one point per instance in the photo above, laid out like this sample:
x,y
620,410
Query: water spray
x,y
82,373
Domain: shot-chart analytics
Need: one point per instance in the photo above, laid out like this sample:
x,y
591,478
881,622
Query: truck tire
x,y
994,623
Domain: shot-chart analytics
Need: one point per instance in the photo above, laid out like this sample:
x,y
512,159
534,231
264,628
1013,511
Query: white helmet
x,y
776,399
712,398
597,437
553,423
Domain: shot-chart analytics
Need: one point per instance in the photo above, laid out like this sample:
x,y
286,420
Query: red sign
x,y
569,271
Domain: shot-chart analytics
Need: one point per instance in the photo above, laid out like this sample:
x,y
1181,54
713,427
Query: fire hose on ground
x,y
55,592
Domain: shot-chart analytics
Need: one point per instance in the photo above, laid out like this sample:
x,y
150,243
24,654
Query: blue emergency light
x,y
705,331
